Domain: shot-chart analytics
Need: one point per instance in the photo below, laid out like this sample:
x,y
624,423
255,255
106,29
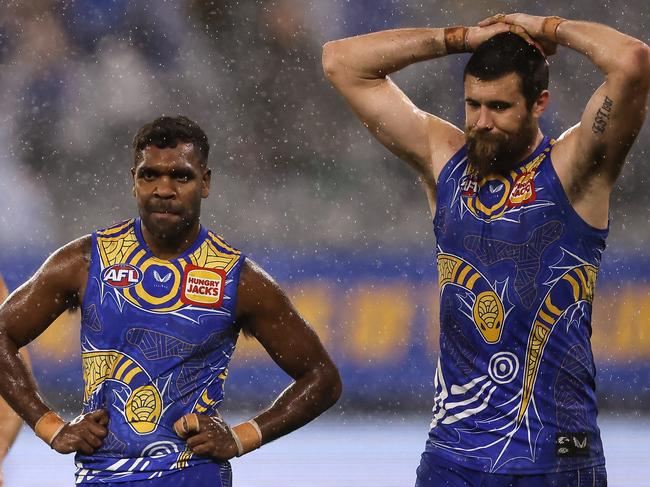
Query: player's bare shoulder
x,y
65,272
445,140
74,257
57,286
256,291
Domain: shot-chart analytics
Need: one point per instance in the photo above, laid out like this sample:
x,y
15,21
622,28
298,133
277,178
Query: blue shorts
x,y
203,475
435,472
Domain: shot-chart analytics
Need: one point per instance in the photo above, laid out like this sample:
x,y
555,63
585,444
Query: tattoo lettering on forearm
x,y
602,116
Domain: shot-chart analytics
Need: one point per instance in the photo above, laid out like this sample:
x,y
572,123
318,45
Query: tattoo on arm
x,y
602,116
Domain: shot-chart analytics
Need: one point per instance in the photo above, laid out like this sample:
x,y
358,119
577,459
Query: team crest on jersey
x,y
203,287
121,275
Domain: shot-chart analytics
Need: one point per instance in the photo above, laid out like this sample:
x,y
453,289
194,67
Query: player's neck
x,y
539,137
169,247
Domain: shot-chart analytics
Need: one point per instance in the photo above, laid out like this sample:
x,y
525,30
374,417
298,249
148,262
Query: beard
x,y
496,152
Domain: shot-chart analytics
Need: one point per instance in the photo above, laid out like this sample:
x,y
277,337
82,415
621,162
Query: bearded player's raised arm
x,y
592,154
358,67
589,156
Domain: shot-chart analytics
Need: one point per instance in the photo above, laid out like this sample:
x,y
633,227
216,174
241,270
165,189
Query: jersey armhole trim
x,y
566,203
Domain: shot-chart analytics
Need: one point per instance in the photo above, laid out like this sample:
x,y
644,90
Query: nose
x,y
165,188
484,121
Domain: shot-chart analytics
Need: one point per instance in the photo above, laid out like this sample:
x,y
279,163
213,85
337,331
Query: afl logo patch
x,y
121,275
203,287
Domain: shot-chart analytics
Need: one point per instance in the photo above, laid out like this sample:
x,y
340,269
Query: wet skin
x,y
169,185
500,129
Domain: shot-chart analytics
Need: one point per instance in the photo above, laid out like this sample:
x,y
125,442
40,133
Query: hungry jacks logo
x,y
203,287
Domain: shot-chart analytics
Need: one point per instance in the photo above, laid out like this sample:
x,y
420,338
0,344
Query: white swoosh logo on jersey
x,y
158,278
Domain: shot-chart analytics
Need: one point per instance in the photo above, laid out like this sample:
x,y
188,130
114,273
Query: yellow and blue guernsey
x,y
156,339
515,382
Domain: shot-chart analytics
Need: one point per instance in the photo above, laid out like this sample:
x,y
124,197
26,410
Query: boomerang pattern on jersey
x,y
571,285
159,346
120,245
143,406
139,400
506,198
526,256
579,283
482,304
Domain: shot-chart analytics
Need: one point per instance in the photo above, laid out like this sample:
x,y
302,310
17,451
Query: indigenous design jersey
x,y
156,340
514,386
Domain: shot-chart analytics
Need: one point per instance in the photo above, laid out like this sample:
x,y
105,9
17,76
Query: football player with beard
x,y
520,221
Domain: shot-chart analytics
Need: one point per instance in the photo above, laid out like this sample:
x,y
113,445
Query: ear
x,y
205,183
540,104
4,292
133,178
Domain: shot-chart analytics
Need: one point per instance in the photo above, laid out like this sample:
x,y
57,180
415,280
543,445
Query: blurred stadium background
x,y
298,185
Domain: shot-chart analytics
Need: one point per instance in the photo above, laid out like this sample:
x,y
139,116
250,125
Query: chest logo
x,y
121,275
203,287
162,278
523,190
469,185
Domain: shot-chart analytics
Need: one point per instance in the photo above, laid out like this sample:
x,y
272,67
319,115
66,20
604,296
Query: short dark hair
x,y
166,132
507,53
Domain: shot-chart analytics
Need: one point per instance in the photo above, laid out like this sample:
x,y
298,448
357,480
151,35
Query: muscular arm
x,y
588,157
266,313
27,313
10,422
358,67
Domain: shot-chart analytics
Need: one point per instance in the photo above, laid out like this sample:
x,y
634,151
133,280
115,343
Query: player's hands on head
x,y
208,436
84,434
530,27
478,35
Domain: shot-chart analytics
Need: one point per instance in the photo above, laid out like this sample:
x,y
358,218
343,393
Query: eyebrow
x,y
490,103
145,169
182,172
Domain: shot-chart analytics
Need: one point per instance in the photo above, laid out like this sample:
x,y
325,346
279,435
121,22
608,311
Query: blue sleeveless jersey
x,y
156,339
514,385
